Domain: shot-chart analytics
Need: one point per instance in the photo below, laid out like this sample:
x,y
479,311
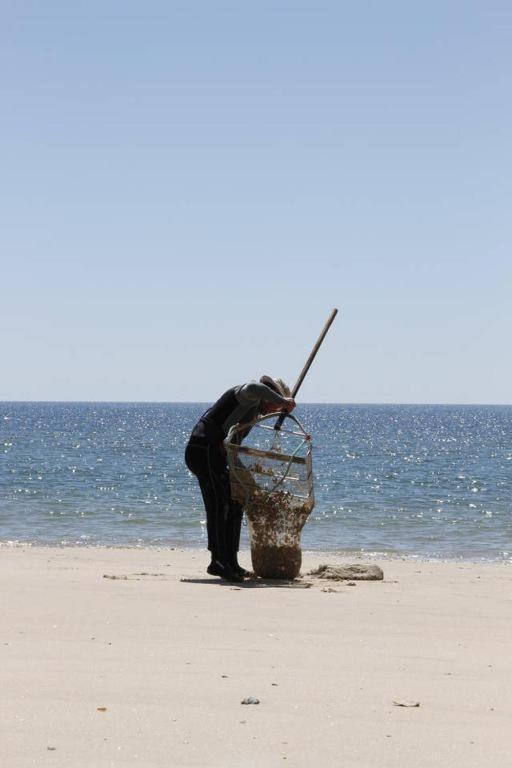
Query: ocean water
x,y
431,481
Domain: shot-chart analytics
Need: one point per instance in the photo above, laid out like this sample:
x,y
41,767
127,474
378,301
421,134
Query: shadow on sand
x,y
252,583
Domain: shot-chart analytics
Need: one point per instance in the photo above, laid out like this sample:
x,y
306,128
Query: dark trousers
x,y
207,461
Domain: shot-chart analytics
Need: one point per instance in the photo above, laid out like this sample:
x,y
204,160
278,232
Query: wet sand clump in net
x,y
276,562
276,521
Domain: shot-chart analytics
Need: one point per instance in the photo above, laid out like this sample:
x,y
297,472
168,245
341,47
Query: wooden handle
x,y
302,375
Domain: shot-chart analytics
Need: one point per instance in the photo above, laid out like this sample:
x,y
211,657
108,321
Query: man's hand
x,y
290,404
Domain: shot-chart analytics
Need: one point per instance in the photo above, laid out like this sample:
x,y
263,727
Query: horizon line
x,y
206,402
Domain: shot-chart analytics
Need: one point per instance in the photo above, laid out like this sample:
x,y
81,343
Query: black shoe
x,y
241,571
216,568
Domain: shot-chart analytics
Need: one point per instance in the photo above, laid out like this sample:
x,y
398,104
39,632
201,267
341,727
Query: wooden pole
x,y
307,366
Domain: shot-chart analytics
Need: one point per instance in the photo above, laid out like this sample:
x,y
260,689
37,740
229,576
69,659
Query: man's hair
x,y
277,385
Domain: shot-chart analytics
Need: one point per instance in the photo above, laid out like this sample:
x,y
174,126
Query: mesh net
x,y
271,475
271,464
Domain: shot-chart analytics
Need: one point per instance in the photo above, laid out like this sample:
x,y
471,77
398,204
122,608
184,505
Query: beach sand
x,y
148,670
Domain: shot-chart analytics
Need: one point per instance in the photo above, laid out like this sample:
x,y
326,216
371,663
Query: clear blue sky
x,y
187,189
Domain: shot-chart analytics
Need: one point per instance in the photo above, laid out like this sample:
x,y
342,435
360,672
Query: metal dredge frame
x,y
288,480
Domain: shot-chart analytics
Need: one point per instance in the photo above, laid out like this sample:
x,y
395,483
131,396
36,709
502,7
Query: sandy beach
x,y
146,669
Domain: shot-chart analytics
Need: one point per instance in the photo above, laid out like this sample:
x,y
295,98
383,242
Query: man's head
x,y
278,386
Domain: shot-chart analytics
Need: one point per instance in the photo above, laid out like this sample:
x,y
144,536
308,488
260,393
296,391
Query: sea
x,y
417,481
